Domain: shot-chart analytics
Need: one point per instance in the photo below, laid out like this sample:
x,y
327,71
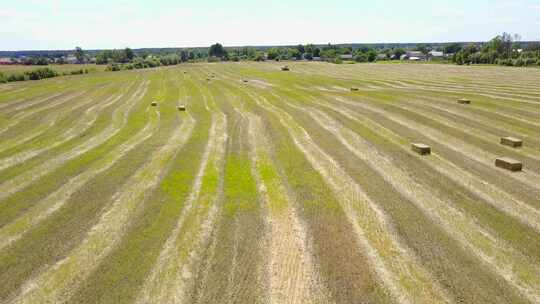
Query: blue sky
x,y
63,24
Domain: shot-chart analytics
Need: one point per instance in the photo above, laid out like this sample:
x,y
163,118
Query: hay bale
x,y
511,141
244,80
285,68
421,149
154,104
354,89
508,164
464,101
207,79
181,108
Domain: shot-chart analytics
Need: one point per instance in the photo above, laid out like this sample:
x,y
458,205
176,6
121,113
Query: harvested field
x,y
362,183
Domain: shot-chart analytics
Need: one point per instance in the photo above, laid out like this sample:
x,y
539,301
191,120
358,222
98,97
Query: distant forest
x,y
505,49
204,50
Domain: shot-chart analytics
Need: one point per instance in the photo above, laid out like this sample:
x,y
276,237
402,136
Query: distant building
x,y
316,59
436,54
6,61
382,56
413,56
71,59
346,57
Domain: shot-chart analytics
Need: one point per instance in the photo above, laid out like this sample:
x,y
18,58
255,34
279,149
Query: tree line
x,y
127,59
38,74
329,52
505,49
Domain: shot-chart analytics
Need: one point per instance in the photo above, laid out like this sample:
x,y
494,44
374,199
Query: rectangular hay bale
x,y
181,108
421,149
511,141
464,101
508,164
153,104
354,89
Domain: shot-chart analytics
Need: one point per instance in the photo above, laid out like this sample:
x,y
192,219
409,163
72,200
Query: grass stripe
x,y
62,132
346,274
394,265
233,267
486,191
529,178
51,240
127,267
58,282
119,121
509,264
57,199
170,279
293,278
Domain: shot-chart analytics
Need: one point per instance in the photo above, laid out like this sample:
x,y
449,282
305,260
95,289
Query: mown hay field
x,y
272,187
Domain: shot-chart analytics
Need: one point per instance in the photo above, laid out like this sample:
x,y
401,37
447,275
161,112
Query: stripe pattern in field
x,y
287,188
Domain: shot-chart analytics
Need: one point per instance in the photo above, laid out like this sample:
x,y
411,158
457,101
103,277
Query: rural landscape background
x,y
376,172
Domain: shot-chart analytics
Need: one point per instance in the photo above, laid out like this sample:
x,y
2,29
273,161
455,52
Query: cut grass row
x,y
106,125
502,149
39,181
497,219
292,275
346,273
180,255
432,132
320,136
69,124
315,196
154,219
52,239
59,282
379,190
233,267
478,123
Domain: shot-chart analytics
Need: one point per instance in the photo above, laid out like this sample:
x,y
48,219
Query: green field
x,y
273,186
